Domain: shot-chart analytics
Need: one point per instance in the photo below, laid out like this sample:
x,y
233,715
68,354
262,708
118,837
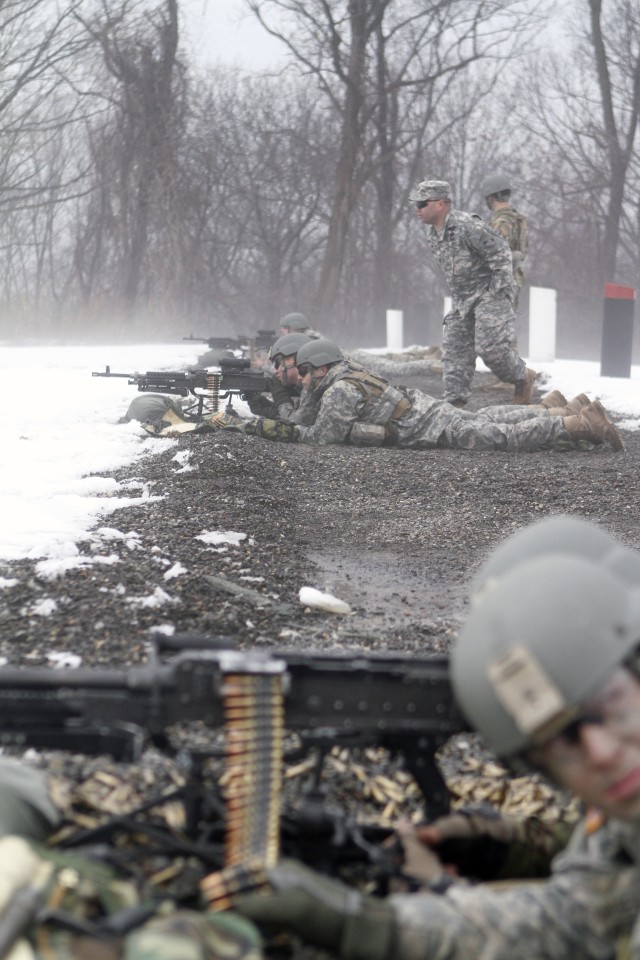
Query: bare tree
x,y
140,168
256,187
40,53
378,64
584,113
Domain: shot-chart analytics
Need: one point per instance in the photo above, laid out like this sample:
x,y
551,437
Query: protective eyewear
x,y
304,369
614,706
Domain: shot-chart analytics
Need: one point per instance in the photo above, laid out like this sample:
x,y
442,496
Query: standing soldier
x,y
477,266
509,223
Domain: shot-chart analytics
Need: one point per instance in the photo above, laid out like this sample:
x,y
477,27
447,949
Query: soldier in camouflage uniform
x,y
345,403
509,223
298,323
285,386
477,267
74,906
547,668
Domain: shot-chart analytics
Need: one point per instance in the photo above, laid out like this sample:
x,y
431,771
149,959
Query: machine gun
x,y
319,700
249,345
208,388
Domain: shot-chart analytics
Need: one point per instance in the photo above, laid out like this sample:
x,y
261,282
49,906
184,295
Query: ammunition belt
x,y
254,730
213,387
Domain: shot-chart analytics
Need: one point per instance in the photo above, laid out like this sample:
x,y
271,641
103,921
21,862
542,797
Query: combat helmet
x,y
494,184
560,534
296,322
537,644
319,352
288,345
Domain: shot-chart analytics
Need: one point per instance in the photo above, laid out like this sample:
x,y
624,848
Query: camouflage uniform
x,y
587,909
512,226
284,400
26,808
335,403
478,269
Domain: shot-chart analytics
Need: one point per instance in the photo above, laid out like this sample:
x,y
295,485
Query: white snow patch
x,y
43,608
175,571
59,659
157,599
222,536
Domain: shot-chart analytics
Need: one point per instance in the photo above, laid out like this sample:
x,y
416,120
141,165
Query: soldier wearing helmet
x,y
509,223
478,269
297,323
546,669
285,386
343,402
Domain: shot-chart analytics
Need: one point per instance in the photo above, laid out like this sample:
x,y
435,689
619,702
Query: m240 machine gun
x,y
250,345
312,702
235,378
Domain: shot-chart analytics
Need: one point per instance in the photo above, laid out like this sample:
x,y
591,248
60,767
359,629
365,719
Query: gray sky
x,y
220,31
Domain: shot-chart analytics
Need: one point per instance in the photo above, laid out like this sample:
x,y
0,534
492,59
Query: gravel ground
x,y
397,534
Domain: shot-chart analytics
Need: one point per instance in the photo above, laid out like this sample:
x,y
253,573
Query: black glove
x,y
271,430
323,912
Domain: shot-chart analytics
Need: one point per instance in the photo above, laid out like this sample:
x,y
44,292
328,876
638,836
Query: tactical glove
x,y
271,430
323,912
485,844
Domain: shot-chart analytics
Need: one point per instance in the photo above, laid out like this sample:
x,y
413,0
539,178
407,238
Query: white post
x,y
394,330
447,306
542,324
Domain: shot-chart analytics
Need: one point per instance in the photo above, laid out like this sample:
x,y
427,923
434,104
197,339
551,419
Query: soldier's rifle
x,y
208,387
249,345
257,700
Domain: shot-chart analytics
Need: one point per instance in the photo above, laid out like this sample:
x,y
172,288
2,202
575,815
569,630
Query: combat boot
x,y
524,388
576,405
592,424
554,399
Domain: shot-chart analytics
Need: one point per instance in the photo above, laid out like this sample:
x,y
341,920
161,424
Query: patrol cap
x,y
431,190
560,534
538,644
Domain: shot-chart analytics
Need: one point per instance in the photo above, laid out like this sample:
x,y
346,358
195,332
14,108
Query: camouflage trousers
x,y
515,430
182,935
485,331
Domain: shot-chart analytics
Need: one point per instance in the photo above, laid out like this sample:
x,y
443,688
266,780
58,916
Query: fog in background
x,y
189,166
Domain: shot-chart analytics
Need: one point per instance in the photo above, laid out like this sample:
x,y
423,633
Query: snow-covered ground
x,y
59,425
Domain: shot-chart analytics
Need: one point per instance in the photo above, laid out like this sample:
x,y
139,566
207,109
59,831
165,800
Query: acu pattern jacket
x,y
589,909
475,260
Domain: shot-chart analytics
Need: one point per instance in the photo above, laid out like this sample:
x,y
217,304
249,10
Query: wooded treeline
x,y
143,196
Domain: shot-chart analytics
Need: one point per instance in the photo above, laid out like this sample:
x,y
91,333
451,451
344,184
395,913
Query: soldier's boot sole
x,y
592,424
612,437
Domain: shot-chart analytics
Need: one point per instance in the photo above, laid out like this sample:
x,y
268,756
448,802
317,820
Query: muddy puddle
x,y
385,588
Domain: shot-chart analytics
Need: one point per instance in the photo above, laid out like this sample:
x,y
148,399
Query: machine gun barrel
x,y
176,382
402,703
